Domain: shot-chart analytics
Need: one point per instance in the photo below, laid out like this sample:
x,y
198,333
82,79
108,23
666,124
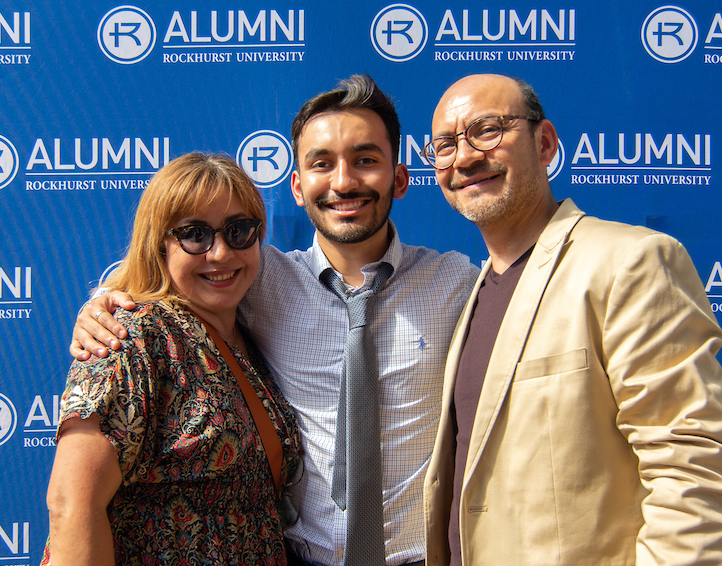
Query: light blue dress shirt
x,y
301,327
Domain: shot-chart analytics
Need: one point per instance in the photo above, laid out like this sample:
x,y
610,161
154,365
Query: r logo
x,y
126,35
669,34
557,164
8,162
399,32
266,157
8,419
108,270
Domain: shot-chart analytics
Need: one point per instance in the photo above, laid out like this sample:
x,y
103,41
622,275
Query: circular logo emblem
x,y
669,34
266,157
126,35
107,272
8,162
399,32
557,164
8,419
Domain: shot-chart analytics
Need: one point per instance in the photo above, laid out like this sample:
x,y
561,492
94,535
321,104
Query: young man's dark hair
x,y
356,92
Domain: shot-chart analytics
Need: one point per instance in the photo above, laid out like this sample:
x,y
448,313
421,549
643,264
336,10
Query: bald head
x,y
495,186
494,89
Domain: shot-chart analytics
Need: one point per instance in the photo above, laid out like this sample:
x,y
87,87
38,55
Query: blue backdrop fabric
x,y
97,96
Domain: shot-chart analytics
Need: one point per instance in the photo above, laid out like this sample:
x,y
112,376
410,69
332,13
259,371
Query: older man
x,y
581,418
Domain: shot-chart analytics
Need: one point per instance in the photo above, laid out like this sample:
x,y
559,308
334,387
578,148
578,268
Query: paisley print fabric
x,y
197,487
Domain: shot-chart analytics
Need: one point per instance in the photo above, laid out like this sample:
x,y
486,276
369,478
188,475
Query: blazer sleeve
x,y
660,341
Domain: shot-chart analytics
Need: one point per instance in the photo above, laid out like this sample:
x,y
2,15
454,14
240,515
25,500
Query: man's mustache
x,y
462,176
351,195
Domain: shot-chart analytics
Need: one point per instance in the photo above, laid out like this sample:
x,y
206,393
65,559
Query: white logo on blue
x,y
108,270
8,162
266,157
126,35
557,164
8,419
669,34
399,32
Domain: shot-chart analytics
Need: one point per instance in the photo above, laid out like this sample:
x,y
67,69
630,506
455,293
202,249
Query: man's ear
x,y
296,187
401,181
548,142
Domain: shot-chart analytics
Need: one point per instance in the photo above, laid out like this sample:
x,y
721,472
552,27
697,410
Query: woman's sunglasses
x,y
197,239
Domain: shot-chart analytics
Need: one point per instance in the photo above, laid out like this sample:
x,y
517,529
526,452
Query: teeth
x,y
219,277
343,206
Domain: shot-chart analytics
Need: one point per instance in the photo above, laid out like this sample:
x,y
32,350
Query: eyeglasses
x,y
483,134
197,239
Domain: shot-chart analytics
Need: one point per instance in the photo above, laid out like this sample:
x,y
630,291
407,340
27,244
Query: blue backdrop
x,y
97,96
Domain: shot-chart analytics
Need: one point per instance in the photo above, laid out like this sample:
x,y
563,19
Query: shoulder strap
x,y
269,438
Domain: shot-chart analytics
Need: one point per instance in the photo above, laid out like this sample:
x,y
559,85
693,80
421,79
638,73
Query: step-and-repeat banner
x,y
96,96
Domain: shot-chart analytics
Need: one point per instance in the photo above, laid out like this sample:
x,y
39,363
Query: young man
x,y
582,403
346,145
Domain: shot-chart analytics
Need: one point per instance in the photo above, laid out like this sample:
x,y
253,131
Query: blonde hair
x,y
182,187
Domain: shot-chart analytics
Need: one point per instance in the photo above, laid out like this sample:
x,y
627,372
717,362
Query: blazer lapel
x,y
516,325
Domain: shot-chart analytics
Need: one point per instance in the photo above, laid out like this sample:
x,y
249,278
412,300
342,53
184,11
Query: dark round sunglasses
x,y
197,239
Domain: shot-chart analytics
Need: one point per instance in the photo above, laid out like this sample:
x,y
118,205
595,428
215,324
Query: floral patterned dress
x,y
197,487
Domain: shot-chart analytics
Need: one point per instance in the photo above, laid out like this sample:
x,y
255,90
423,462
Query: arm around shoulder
x,y
95,327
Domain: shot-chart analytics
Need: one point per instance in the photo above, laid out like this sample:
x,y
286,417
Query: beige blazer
x,y
597,439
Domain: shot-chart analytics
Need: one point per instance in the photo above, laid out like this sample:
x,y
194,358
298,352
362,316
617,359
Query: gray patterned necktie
x,y
357,473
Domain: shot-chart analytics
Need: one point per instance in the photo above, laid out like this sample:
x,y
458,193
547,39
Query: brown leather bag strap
x,y
269,438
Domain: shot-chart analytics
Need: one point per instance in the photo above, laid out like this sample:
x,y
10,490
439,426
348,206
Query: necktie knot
x,y
357,308
335,283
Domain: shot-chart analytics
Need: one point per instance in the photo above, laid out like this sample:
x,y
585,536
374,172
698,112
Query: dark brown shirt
x,y
489,310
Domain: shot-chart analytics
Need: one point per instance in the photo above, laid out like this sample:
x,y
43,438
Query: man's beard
x,y
505,205
349,232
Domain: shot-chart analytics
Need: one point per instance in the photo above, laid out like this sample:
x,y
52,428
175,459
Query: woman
x,y
158,458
